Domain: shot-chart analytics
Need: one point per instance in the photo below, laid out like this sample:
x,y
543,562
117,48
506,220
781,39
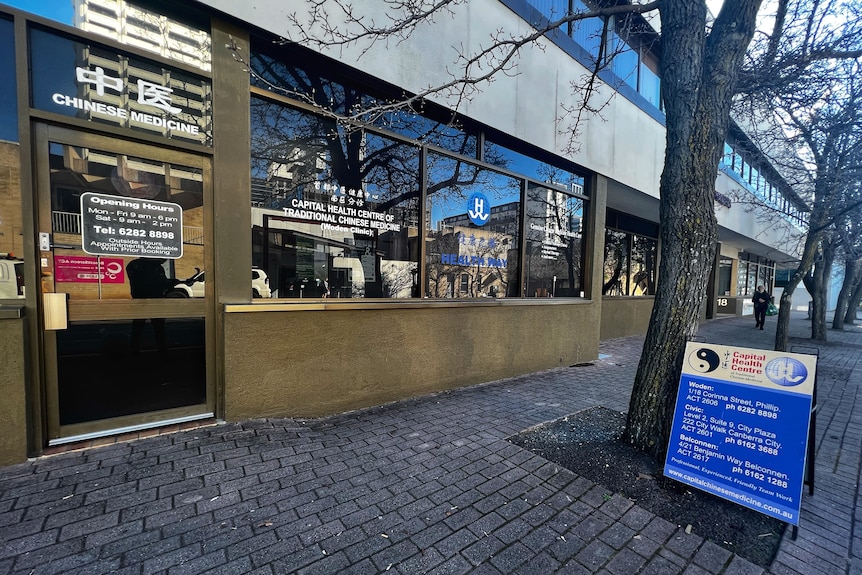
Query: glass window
x,y
727,158
504,157
551,9
287,74
742,279
650,85
335,213
554,256
625,60
642,278
472,228
8,97
725,269
587,32
764,276
105,86
631,253
630,264
136,184
616,263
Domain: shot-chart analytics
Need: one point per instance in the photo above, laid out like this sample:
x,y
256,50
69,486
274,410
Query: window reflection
x,y
335,212
179,38
472,234
504,157
8,97
287,75
629,264
76,171
554,257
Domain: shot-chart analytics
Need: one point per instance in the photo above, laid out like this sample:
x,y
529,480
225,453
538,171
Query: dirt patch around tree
x,y
588,443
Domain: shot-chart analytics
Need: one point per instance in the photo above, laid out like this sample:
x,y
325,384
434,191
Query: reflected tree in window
x,y
616,254
456,245
351,193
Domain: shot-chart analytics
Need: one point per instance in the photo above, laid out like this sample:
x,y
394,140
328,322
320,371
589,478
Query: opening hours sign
x,y
740,427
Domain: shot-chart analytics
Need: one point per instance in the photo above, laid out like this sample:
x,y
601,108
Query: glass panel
x,y
111,368
112,217
650,86
472,228
8,96
727,158
289,74
554,259
764,275
503,157
588,32
551,9
616,263
643,266
130,183
128,23
725,268
742,279
625,60
335,213
99,85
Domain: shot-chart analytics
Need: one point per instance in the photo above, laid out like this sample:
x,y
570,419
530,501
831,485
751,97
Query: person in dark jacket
x,y
761,302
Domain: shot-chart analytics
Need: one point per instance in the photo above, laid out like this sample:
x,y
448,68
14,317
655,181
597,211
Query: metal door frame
x,y
55,433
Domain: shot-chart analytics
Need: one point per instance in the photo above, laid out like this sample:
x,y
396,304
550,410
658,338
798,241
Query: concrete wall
x,y
312,363
625,316
13,385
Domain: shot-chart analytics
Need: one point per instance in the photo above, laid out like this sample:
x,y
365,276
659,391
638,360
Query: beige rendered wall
x,y
13,407
625,316
320,362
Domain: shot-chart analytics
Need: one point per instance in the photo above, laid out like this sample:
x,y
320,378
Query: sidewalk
x,y
428,485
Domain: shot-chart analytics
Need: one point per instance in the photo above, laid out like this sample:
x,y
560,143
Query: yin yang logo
x,y
704,360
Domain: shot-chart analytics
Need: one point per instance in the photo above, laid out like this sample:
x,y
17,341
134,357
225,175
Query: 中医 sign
x,y
740,427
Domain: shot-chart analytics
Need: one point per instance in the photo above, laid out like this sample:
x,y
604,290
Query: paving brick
x,y
711,556
511,558
483,549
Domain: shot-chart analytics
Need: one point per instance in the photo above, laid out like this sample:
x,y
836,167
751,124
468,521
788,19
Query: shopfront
x,y
389,257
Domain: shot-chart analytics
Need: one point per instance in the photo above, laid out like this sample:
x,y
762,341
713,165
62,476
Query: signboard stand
x,y
736,430
812,427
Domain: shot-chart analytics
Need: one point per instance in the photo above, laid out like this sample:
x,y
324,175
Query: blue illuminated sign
x,y
479,208
740,427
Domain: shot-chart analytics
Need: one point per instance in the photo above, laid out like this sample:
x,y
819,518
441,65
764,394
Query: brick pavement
x,y
428,485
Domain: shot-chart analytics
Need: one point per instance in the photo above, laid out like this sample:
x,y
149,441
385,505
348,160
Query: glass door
x,y
122,230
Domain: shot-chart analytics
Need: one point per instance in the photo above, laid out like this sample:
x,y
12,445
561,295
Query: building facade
x,y
206,219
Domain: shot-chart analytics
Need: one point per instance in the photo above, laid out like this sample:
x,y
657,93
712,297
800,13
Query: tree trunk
x,y
698,76
851,272
822,273
855,300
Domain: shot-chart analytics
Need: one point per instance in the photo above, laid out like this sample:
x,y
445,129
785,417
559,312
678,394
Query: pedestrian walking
x,y
761,301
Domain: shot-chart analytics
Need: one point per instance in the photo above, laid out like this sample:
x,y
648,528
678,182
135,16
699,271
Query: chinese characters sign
x,y
740,428
119,89
121,226
345,211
